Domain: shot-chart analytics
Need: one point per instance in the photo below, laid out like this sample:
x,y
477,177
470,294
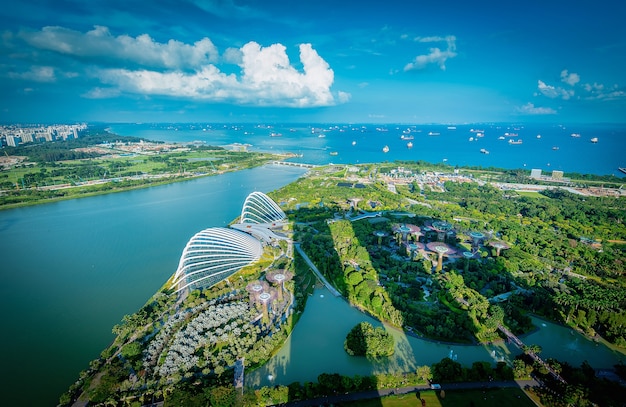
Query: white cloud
x,y
101,93
569,78
530,108
598,91
36,73
435,55
100,44
267,79
554,92
343,97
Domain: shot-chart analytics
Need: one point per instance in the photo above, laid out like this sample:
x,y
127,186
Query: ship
x,y
575,135
433,133
334,153
555,148
275,135
518,141
354,143
501,138
594,140
451,127
484,151
386,149
409,145
538,135
403,137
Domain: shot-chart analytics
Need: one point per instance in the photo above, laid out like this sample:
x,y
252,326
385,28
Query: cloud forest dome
x,y
213,255
260,208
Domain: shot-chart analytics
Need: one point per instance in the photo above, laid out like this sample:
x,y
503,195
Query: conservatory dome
x,y
260,208
213,255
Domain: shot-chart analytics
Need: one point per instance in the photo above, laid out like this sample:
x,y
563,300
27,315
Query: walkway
x,y
533,355
372,394
292,164
316,271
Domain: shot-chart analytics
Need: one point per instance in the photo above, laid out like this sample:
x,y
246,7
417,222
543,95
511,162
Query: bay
x,y
544,146
72,269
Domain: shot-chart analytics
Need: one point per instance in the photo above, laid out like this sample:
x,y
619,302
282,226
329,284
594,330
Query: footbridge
x,y
533,355
292,164
316,271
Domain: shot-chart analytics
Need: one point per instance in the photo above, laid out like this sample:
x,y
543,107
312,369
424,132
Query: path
x,y
316,271
372,394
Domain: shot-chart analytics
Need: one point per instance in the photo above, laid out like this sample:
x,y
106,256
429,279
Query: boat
x,y
518,141
555,148
471,139
386,149
501,138
484,151
322,136
511,134
575,135
538,135
354,143
275,135
433,133
334,153
476,131
480,134
594,140
403,137
451,127
409,145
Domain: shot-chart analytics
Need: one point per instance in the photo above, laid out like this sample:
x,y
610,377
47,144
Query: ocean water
x,y
545,147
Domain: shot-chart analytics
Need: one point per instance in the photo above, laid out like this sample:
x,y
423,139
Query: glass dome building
x,y
260,208
213,255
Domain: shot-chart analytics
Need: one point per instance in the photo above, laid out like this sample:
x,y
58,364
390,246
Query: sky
x,y
352,61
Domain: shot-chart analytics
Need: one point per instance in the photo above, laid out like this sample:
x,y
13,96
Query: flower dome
x,y
213,255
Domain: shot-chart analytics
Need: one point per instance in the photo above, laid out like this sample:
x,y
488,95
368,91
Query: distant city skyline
x,y
312,62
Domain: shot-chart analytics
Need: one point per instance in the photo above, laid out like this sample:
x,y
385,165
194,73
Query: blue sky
x,y
313,61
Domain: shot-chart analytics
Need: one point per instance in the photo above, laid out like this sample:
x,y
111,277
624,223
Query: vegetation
x,y
563,260
365,340
100,162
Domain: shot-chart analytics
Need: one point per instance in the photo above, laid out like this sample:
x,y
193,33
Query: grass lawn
x,y
532,194
509,397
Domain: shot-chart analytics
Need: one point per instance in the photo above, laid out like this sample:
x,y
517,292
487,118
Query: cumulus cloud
x,y
267,79
99,43
435,55
553,91
250,75
598,91
569,78
530,108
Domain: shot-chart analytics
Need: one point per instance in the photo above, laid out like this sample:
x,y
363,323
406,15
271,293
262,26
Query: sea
x,y
598,149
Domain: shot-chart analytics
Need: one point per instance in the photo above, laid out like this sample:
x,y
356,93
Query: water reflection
x,y
316,346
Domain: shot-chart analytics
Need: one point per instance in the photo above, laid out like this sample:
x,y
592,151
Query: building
x,y
535,173
215,254
557,174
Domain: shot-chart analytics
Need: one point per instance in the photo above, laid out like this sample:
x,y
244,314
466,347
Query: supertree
x,y
442,249
499,245
380,234
278,277
255,288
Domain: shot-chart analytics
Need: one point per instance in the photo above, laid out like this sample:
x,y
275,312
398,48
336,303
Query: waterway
x,y
72,269
316,346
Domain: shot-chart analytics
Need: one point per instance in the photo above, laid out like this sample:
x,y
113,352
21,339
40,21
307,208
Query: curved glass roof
x,y
213,255
260,208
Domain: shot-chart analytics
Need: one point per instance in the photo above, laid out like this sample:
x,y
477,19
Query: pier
x,y
292,164
533,355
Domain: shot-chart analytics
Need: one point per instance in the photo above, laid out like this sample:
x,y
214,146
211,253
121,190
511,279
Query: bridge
x,y
316,271
292,164
533,355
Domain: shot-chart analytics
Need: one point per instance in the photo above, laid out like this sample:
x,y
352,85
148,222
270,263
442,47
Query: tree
x,y
365,340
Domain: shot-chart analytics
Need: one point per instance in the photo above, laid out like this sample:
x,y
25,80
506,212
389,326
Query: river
x,y
72,269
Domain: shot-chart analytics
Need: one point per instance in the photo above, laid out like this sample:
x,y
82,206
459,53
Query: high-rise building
x,y
535,173
557,174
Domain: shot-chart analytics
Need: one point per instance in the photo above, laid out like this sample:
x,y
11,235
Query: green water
x,y
316,346
70,270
